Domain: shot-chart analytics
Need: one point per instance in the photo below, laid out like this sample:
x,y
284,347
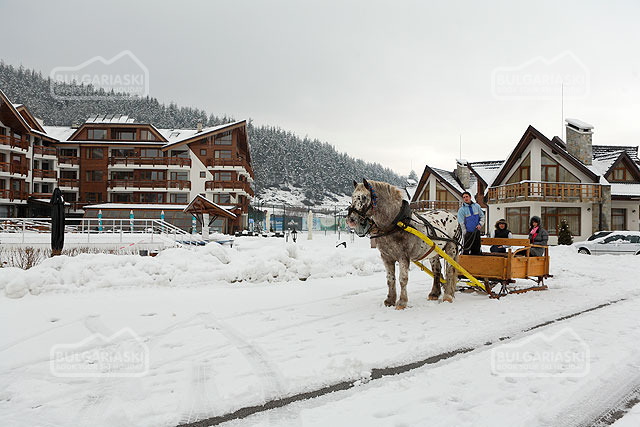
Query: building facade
x,y
112,160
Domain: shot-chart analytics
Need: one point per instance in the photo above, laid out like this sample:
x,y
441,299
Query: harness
x,y
400,223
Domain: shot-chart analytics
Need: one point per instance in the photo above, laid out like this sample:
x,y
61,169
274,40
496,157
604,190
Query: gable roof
x,y
445,177
556,145
177,137
202,205
485,171
29,118
600,151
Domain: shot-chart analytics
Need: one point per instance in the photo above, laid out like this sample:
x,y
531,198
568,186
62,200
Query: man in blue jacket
x,y
471,219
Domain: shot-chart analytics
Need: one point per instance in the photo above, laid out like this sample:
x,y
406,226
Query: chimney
x,y
199,126
463,173
579,137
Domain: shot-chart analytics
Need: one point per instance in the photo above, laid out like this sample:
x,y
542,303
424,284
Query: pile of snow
x,y
253,260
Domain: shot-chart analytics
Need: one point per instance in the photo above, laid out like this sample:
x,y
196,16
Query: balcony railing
x,y
13,194
425,205
555,191
130,183
44,173
69,160
150,161
19,168
68,182
230,185
46,196
5,167
44,151
240,161
14,142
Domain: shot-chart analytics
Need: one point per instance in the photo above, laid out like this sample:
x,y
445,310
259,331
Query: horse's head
x,y
363,201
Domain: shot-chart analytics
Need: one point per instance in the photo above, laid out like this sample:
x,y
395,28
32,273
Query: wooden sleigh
x,y
503,268
494,268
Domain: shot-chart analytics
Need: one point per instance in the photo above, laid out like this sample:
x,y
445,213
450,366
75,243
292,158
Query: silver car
x,y
614,242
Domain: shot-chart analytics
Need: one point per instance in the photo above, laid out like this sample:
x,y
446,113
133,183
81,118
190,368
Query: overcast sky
x,y
395,82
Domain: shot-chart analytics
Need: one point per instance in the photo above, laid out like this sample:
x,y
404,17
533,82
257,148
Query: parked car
x,y
611,242
599,234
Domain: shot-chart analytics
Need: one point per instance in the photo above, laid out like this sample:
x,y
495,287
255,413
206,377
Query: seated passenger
x,y
537,236
501,232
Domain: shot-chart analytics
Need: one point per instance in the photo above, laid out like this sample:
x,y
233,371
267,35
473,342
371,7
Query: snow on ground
x,y
228,328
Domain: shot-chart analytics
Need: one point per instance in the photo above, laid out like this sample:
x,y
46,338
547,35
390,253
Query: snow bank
x,y
253,260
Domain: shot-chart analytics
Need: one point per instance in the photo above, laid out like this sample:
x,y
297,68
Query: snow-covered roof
x,y
61,133
606,150
625,189
176,136
450,179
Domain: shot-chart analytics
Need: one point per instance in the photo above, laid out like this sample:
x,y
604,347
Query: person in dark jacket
x,y
537,236
501,232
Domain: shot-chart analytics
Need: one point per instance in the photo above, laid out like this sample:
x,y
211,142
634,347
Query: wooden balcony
x,y
44,173
5,167
426,205
229,185
150,161
42,196
19,168
44,151
13,195
68,160
12,142
237,162
545,191
130,183
68,182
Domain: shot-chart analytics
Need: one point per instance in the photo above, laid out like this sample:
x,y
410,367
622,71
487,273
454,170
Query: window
x,y
122,152
443,194
69,197
122,175
222,176
68,174
94,176
152,197
181,154
224,139
177,198
203,151
620,173
222,154
523,172
121,198
150,152
179,176
125,134
147,135
93,197
551,218
618,219
223,199
153,175
203,174
96,134
68,152
425,193
552,171
95,153
518,220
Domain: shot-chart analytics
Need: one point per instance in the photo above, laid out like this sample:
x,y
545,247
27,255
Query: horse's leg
x,y
437,273
404,278
390,266
452,273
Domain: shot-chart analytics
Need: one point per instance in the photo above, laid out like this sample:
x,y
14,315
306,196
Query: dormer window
x,y
125,134
146,135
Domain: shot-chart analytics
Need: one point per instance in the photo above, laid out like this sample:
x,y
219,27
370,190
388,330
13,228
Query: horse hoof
x,y
400,306
434,297
389,303
447,298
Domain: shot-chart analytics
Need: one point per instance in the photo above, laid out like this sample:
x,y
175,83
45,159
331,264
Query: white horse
x,y
375,209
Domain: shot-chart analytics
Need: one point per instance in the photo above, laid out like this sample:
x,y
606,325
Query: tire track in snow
x,y
378,373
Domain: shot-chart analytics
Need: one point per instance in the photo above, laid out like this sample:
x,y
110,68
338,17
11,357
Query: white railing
x,y
94,231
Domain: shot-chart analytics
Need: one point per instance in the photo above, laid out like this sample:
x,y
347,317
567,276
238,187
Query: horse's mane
x,y
389,202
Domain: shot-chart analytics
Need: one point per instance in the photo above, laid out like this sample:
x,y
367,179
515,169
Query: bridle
x,y
365,221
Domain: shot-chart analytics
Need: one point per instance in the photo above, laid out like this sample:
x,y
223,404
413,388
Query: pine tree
x,y
564,235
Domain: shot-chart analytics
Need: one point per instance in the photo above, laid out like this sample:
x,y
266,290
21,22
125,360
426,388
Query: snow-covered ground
x,y
229,328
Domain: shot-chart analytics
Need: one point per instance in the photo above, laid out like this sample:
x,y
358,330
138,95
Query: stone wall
x,y
579,145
